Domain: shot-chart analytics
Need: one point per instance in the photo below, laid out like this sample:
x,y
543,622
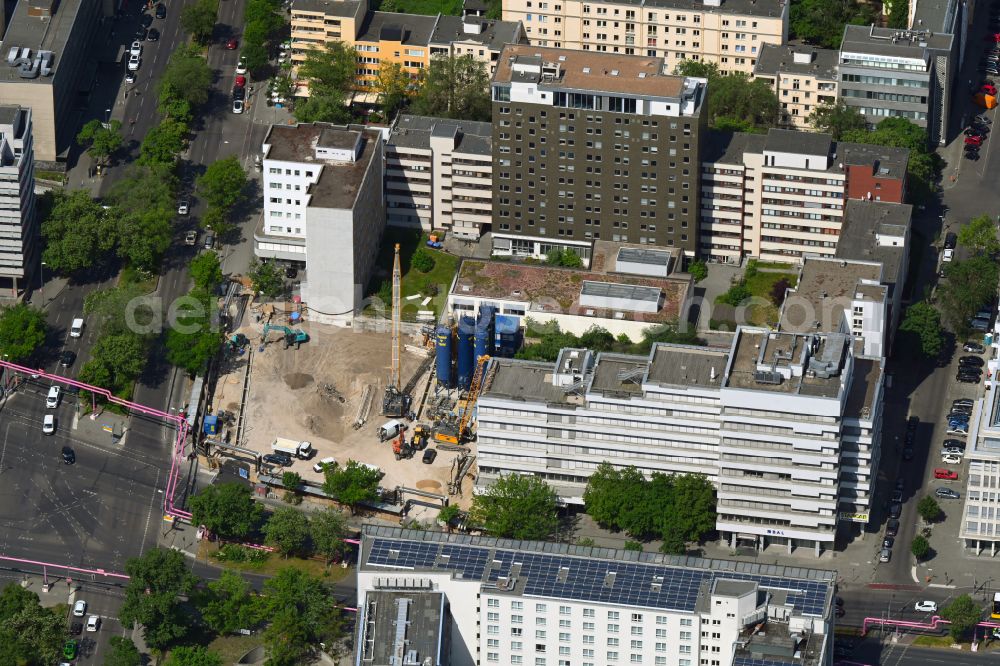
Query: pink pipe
x,y
356,542
935,621
99,572
176,419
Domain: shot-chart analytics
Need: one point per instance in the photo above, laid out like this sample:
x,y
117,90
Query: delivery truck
x,y
294,448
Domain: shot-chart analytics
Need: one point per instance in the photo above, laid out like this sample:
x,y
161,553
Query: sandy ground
x,y
313,393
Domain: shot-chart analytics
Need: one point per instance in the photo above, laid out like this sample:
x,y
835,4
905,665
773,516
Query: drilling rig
x,y
396,402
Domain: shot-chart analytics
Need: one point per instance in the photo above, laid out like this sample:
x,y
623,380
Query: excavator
x,y
421,437
400,448
291,336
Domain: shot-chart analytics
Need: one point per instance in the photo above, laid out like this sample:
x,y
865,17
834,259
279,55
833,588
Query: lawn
x,y
934,641
426,7
273,564
434,283
232,648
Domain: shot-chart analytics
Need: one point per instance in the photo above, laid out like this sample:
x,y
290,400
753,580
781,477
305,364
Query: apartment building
x,y
439,175
324,211
802,78
409,40
594,146
980,526
782,196
899,73
479,600
730,33
18,224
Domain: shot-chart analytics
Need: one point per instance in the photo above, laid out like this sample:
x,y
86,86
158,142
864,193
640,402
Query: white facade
x,y
980,526
692,617
17,199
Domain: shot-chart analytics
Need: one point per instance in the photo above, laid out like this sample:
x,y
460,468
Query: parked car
x,y
950,240
973,156
48,424
153,35
892,527
973,140
947,474
958,417
976,361
280,459
925,607
133,62
67,358
895,510
136,48
79,608
908,453
76,628
429,456
183,207
241,66
241,81
947,493
948,459
239,92
952,451
130,77
953,443
897,496
964,401
885,555
237,106
958,429
69,649
888,542
232,44
93,623
191,237
968,379
161,11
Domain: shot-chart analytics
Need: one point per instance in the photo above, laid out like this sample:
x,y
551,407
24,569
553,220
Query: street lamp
x,y
107,116
41,284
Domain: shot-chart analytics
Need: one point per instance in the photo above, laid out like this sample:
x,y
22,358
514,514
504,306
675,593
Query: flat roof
x,y
606,254
729,147
780,58
329,7
800,143
339,182
879,41
525,380
863,222
827,286
554,289
473,137
886,162
637,255
409,29
864,385
9,114
686,365
397,622
780,350
618,373
39,35
614,290
586,574
937,15
493,35
594,71
773,8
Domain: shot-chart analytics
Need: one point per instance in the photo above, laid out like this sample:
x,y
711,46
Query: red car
x,y
973,140
232,44
241,81
989,90
941,473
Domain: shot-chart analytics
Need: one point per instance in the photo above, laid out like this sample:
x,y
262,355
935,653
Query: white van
x,y
320,467
52,399
390,429
76,328
374,468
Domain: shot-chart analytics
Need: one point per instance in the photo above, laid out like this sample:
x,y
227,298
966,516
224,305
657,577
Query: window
x,y
686,622
637,631
539,634
493,642
636,645
564,637
492,630
565,610
517,605
612,628
588,612
516,619
492,656
612,615
612,642
637,617
540,621
565,624
493,617
540,608
516,659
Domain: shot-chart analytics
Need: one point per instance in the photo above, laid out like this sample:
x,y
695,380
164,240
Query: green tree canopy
x,y
206,272
193,656
223,185
187,77
924,164
107,308
30,634
563,257
698,270
454,87
837,119
22,332
77,232
392,84
735,101
920,547
330,72
964,614
328,529
198,20
929,509
192,339
351,484
226,509
980,235
821,22
230,604
122,652
923,323
969,285
163,144
99,140
156,581
322,108
116,361
287,529
265,277
302,613
517,507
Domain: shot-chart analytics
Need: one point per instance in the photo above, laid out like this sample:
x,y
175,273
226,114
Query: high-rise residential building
x,y
387,37
18,226
782,196
439,175
324,211
594,146
459,600
899,73
802,77
980,526
729,33
50,60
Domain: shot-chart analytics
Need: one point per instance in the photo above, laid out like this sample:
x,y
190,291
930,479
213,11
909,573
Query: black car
x,y
146,20
950,241
912,423
953,443
908,453
68,455
971,155
239,92
888,542
892,527
142,33
429,456
67,358
280,459
974,131
76,628
968,379
957,417
972,360
973,348
896,510
153,36
900,484
161,11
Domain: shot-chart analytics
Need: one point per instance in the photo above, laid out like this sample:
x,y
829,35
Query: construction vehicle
x,y
450,432
400,448
396,402
291,336
421,437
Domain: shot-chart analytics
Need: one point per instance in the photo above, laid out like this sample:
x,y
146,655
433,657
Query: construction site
x,y
370,393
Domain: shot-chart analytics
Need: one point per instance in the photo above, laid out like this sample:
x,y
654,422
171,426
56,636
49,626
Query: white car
x,y
136,49
950,459
320,467
133,62
182,207
49,424
952,451
93,623
237,106
241,66
80,608
925,607
129,77
52,399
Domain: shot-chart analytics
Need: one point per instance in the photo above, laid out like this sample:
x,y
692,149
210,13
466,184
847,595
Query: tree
x,y
449,515
607,492
226,509
633,545
563,257
265,277
255,55
291,480
287,530
230,604
22,332
78,233
964,614
123,652
302,613
351,484
923,323
920,547
187,77
779,290
392,84
980,235
898,14
969,284
837,119
176,109
163,143
929,509
454,87
330,71
517,507
30,634
821,22
322,109
117,360
194,338
694,508
206,272
223,185
422,260
143,211
698,68
698,270
736,103
328,529
198,20
193,656
156,580
107,308
99,140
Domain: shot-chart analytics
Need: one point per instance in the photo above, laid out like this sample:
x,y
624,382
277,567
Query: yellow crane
x,y
458,434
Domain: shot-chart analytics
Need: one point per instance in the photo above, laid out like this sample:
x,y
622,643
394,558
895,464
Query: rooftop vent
x,y
586,70
642,75
614,72
767,377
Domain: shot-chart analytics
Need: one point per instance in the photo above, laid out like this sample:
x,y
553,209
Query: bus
x,y
996,606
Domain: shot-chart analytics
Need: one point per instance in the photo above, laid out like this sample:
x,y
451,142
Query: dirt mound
x,y
297,380
430,485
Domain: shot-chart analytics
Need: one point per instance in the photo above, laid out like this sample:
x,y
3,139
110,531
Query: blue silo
x,y
465,362
442,335
484,332
508,335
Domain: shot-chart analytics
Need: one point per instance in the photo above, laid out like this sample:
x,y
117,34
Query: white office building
x,y
18,226
980,527
495,601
